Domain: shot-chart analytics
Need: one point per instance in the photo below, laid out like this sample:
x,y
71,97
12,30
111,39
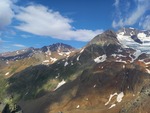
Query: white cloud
x,y
19,45
6,13
131,18
116,4
146,23
40,20
25,36
118,24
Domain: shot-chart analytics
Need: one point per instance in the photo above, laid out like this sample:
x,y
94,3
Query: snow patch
x,y
61,54
114,55
143,37
123,66
121,33
121,55
118,55
53,59
113,105
82,50
66,63
119,50
7,73
78,106
111,96
124,40
7,62
136,54
147,63
48,51
60,84
100,59
78,58
17,52
120,96
64,53
46,61
68,53
148,71
121,61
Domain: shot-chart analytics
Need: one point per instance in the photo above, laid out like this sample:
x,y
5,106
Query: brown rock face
x,y
110,86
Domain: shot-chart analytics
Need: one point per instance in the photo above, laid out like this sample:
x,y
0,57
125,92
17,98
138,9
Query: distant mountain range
x,y
60,48
111,74
128,37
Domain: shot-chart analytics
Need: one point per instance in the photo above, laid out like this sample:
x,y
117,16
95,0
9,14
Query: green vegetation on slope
x,y
3,87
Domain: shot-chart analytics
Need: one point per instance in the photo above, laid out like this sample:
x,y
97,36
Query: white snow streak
x,y
121,61
148,71
78,58
46,61
60,84
111,96
53,59
7,73
119,98
82,50
113,105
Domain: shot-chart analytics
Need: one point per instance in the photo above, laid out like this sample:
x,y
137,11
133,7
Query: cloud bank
x,y
40,20
146,23
130,17
6,13
19,45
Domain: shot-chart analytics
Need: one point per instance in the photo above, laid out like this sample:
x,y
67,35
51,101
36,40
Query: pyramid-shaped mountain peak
x,y
106,38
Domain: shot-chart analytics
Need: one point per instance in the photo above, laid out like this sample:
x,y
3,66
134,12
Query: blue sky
x,y
36,23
